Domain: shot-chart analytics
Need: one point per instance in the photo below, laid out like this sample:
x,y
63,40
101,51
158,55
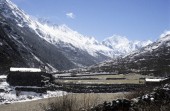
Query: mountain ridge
x,y
124,46
150,60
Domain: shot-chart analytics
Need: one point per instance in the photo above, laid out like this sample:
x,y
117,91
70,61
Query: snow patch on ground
x,y
154,80
4,85
3,76
10,95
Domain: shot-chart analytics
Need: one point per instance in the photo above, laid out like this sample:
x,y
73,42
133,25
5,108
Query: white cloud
x,y
70,15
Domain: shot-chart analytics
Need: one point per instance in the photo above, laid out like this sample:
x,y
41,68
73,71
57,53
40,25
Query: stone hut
x,y
28,77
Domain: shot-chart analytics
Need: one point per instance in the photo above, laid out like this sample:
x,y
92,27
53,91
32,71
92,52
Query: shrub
x,y
71,102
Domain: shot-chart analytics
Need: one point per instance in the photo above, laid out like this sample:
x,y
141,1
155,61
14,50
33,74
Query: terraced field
x,y
100,83
103,79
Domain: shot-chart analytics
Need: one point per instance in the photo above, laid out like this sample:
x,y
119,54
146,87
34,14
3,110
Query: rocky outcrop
x,y
158,100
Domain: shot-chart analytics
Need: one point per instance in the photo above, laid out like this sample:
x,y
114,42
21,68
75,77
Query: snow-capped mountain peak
x,y
122,45
116,41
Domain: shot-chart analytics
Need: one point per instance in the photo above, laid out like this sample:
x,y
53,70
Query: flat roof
x,y
14,69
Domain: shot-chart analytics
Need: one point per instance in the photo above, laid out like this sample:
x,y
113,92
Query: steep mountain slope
x,y
80,49
122,46
28,50
64,37
152,59
22,47
8,53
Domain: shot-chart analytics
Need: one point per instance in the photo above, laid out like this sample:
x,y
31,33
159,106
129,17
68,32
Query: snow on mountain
x,y
55,34
62,33
21,44
152,59
122,45
163,35
80,50
163,41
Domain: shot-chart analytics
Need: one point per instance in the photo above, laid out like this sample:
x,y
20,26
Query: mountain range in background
x,y
26,42
154,59
122,46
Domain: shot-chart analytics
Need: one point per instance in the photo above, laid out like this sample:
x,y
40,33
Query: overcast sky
x,y
135,19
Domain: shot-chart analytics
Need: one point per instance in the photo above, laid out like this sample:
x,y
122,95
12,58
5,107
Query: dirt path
x,y
37,104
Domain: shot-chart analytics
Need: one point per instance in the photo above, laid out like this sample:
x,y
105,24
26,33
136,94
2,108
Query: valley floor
x,y
37,101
